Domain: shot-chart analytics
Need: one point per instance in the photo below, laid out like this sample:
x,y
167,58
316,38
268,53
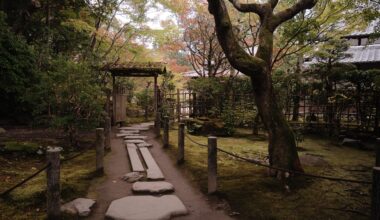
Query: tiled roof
x,y
371,29
357,54
363,54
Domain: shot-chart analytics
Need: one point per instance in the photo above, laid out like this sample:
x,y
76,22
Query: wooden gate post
x,y
53,183
107,131
178,106
375,204
99,150
377,148
181,143
212,164
166,131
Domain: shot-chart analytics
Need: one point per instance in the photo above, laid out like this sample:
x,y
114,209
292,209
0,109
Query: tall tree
x,y
205,54
282,146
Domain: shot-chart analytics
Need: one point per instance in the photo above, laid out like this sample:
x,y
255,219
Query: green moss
x,y
251,192
21,147
24,202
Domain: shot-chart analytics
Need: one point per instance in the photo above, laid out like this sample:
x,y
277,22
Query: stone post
x,y
99,150
166,131
53,193
212,164
181,143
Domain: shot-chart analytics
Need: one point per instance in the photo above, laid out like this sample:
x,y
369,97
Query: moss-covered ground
x,y
255,195
29,200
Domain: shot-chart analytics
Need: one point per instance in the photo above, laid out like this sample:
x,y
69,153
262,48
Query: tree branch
x,y
289,13
248,7
273,3
236,55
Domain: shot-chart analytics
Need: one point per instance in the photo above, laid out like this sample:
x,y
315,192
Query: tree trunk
x,y
282,146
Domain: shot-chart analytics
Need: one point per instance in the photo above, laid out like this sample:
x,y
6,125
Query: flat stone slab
x,y
134,158
144,144
132,177
141,128
123,134
134,141
146,208
147,124
153,171
152,187
129,131
80,206
129,128
135,137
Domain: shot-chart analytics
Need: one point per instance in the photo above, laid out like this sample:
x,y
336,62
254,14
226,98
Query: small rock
x,y
132,177
80,206
2,130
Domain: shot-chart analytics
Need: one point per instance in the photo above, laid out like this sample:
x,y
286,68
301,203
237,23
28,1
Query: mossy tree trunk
x,y
282,145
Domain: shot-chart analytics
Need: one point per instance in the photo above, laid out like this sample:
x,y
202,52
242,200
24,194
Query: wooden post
x,y
178,106
377,147
375,204
99,150
181,143
107,131
114,100
166,131
53,194
212,164
195,105
155,99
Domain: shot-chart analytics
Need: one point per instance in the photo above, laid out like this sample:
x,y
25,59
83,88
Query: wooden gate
x,y
119,104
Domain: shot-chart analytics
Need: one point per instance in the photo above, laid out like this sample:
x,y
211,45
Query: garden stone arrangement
x,y
148,182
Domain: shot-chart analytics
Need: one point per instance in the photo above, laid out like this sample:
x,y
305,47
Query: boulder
x,y
80,207
2,130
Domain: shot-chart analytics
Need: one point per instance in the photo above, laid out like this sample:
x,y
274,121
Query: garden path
x,y
116,165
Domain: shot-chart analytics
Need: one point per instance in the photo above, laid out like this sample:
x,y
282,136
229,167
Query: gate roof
x,y
136,69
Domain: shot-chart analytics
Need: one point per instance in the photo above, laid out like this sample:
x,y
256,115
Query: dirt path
x,y
117,164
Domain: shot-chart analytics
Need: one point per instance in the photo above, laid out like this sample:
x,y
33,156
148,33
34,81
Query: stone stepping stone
x,y
129,131
147,124
141,128
135,137
153,171
123,135
80,206
152,187
146,207
129,128
134,141
144,144
134,158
